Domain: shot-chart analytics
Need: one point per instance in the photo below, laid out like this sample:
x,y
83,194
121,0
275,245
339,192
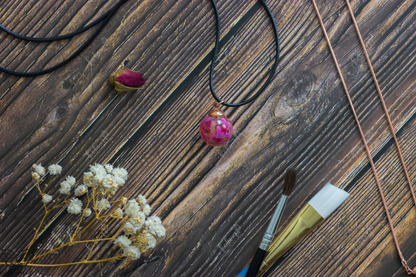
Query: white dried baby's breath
x,y
144,241
98,179
55,169
39,169
88,179
80,190
132,209
119,181
108,181
146,209
75,206
141,200
35,176
104,181
87,212
124,200
122,242
103,204
118,212
46,198
120,172
139,220
131,252
71,180
151,240
108,168
65,187
154,225
129,229
97,169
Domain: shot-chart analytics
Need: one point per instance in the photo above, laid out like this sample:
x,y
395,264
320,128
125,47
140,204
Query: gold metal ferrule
x,y
304,221
216,111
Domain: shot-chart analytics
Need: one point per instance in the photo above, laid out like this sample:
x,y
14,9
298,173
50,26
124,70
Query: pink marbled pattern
x,y
216,131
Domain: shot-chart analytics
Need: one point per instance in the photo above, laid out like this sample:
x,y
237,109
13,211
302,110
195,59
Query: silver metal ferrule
x,y
268,236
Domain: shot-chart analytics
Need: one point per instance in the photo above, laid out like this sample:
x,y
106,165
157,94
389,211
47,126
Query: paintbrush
x,y
288,187
326,201
321,206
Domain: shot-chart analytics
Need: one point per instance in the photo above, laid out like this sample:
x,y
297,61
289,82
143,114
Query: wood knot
x,y
299,91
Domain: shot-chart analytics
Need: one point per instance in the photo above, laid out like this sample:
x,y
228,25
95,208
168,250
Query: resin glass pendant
x,y
216,129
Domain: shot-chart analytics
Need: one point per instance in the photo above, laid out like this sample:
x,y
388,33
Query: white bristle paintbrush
x,y
321,206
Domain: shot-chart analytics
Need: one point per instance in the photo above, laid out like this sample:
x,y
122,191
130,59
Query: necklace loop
x,y
217,48
104,18
408,269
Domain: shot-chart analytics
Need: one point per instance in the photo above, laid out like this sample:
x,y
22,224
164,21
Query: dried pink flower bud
x,y
126,80
130,78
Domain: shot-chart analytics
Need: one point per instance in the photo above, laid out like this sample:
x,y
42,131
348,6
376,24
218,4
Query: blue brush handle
x,y
243,272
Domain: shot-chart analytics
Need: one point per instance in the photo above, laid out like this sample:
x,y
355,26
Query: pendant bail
x,y
216,111
218,104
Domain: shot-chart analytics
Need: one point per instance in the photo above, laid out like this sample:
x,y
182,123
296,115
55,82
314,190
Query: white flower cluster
x,y
105,178
100,184
75,206
55,169
46,198
67,185
139,230
39,172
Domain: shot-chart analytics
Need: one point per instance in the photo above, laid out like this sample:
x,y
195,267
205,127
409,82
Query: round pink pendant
x,y
216,129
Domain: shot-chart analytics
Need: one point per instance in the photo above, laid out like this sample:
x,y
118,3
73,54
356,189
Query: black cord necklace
x,y
216,129
103,19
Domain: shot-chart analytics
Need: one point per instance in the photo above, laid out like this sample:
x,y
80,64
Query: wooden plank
x,y
356,240
156,26
205,194
183,234
235,188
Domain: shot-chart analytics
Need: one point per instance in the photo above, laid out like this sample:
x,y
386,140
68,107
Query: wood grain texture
x,y
363,243
215,202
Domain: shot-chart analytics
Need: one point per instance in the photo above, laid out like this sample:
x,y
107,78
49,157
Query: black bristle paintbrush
x,y
288,187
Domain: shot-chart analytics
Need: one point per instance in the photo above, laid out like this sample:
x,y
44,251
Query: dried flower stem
x,y
98,238
65,264
67,244
80,220
99,185
35,236
43,192
85,228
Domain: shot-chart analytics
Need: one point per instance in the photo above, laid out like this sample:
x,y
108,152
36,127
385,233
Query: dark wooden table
x,y
214,202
